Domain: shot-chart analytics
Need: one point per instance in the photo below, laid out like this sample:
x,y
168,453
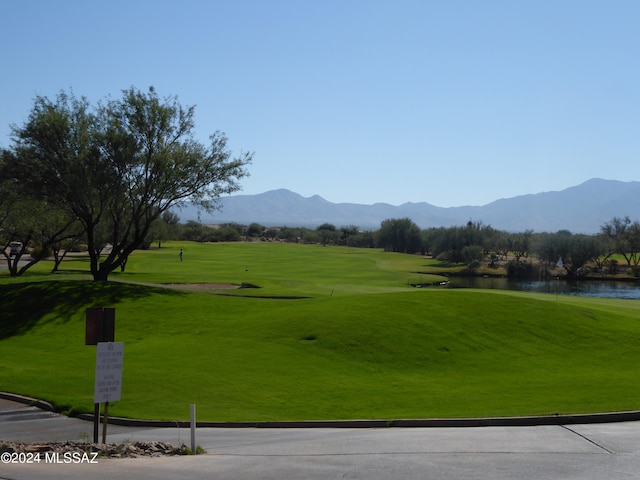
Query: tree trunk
x,y
101,275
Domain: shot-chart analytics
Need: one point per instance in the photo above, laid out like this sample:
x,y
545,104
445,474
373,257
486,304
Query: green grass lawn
x,y
332,333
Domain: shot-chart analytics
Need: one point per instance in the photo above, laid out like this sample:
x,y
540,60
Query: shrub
x,y
519,269
38,253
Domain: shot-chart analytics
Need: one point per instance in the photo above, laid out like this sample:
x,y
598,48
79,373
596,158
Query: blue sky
x,y
456,102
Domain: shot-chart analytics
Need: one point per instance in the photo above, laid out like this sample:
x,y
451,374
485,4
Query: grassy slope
x,y
389,353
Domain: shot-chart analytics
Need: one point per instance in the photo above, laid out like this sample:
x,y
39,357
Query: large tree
x,y
399,235
33,227
8,195
568,251
625,236
118,165
39,229
328,233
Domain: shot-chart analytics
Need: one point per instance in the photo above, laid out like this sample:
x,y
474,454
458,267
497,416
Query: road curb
x,y
527,421
41,404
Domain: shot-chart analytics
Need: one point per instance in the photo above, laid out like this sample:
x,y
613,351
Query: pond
x,y
585,288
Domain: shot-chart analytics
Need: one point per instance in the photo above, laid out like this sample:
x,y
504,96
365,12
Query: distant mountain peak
x,y
581,209
280,192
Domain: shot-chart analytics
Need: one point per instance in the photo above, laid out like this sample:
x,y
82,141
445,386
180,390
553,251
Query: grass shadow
x,y
23,305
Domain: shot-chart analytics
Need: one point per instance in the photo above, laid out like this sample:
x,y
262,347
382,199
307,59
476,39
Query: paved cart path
x,y
586,452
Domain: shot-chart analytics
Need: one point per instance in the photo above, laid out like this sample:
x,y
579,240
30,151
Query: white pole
x,y
193,428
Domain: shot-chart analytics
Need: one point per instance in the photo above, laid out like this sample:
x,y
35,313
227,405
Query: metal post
x,y
193,428
105,420
96,421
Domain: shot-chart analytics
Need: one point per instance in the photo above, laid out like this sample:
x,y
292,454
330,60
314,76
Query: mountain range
x,y
580,209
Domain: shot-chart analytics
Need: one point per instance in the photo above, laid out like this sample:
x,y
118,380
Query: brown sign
x,y
101,325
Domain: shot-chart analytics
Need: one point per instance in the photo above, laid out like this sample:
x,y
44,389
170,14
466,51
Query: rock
x,y
111,450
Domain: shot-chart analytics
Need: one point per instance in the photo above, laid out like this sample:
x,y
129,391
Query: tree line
x,y
575,254
471,244
36,226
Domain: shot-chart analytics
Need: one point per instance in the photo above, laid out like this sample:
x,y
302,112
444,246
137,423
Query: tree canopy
x,y
119,165
399,235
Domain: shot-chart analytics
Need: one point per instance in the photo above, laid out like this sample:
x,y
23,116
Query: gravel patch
x,y
109,450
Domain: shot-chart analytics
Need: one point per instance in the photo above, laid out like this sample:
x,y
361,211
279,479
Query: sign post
x,y
100,327
108,384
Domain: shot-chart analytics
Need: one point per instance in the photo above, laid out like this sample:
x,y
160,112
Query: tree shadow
x,y
23,305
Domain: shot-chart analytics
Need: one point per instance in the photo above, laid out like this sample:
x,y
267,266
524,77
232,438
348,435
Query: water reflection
x,y
585,288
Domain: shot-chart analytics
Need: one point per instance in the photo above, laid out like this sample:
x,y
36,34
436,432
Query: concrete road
x,y
586,452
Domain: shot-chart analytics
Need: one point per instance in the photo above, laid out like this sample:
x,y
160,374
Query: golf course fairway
x,y
322,333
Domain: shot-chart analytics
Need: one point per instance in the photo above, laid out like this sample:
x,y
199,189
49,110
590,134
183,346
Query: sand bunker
x,y
206,286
